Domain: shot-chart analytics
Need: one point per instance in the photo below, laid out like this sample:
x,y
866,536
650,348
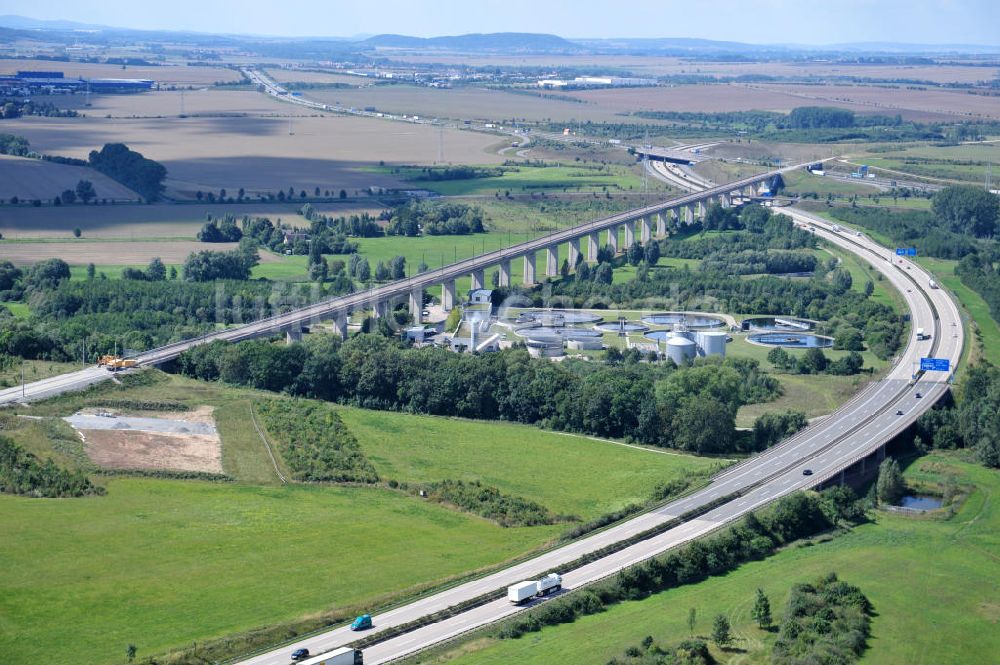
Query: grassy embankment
x,y
932,581
161,563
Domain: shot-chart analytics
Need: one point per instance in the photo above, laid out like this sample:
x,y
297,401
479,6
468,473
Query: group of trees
x,y
423,217
828,621
154,272
489,502
131,169
15,108
814,361
14,145
816,117
973,423
23,473
208,266
83,192
68,317
690,408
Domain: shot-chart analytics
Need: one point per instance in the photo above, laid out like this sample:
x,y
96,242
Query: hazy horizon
x,y
972,22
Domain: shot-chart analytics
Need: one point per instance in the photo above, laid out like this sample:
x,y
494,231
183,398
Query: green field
x,y
528,179
933,583
974,306
596,478
160,563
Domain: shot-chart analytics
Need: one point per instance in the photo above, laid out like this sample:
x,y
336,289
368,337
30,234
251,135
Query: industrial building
x,y
54,83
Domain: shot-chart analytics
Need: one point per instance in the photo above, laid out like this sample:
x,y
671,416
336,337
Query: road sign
x,y
906,251
935,365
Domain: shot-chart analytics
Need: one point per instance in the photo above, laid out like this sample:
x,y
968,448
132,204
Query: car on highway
x,y
919,395
899,412
300,654
363,622
807,472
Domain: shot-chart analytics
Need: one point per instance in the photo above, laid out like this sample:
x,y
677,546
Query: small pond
x,y
920,502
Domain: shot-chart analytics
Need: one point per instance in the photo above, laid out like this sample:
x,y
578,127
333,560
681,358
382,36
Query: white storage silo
x,y
680,349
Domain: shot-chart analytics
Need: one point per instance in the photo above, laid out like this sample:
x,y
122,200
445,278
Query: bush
x,y
489,502
314,441
22,473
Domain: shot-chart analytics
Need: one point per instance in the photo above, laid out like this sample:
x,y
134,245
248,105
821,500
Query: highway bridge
x,y
851,439
642,225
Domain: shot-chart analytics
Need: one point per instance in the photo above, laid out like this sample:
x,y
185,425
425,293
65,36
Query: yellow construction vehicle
x,y
115,363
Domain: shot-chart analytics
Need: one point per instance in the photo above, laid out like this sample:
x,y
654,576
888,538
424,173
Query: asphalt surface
x,y
835,443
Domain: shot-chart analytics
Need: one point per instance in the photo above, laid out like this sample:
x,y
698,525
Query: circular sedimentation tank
x,y
778,324
618,326
689,320
556,317
791,340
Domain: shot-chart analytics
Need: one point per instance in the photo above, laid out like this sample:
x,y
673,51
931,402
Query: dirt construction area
x,y
160,442
137,253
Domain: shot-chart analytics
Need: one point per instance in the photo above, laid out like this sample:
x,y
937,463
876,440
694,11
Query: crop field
x,y
137,253
697,98
932,582
522,180
149,222
925,104
665,66
468,103
173,103
166,75
292,75
109,550
597,478
34,179
257,153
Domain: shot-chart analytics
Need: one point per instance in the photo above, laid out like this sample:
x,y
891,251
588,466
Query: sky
x,y
752,21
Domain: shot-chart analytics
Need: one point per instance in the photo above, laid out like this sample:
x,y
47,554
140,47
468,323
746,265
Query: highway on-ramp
x,y
869,420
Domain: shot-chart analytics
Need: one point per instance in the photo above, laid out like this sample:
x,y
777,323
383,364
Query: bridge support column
x,y
701,210
293,336
529,268
689,214
504,279
340,324
478,279
380,309
726,200
448,295
552,260
574,252
881,453
613,239
661,225
593,244
417,305
629,234
645,230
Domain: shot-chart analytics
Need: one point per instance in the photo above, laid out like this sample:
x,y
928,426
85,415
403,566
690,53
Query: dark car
x,y
899,412
807,472
300,654
919,395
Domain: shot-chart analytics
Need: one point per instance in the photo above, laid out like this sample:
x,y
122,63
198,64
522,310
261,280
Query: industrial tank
x,y
712,343
680,349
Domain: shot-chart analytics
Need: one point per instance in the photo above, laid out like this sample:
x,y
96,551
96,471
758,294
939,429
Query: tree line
x,y
131,169
690,408
972,423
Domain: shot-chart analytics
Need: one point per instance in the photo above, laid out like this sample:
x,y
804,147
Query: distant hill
x,y
25,23
498,41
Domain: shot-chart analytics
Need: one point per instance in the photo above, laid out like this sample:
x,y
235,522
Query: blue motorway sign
x,y
934,365
906,251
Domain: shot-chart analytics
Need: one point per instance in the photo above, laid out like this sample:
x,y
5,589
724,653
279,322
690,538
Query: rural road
x,y
827,447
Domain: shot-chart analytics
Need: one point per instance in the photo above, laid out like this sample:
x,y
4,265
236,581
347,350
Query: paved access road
x,y
853,432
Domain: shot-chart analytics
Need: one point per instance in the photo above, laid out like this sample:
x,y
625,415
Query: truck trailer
x,y
341,656
524,591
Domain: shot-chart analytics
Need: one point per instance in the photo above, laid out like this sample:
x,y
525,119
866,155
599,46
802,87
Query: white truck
x,y
341,656
524,591
921,335
932,284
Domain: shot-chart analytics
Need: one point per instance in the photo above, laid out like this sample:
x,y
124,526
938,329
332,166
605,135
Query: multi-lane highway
x,y
852,433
